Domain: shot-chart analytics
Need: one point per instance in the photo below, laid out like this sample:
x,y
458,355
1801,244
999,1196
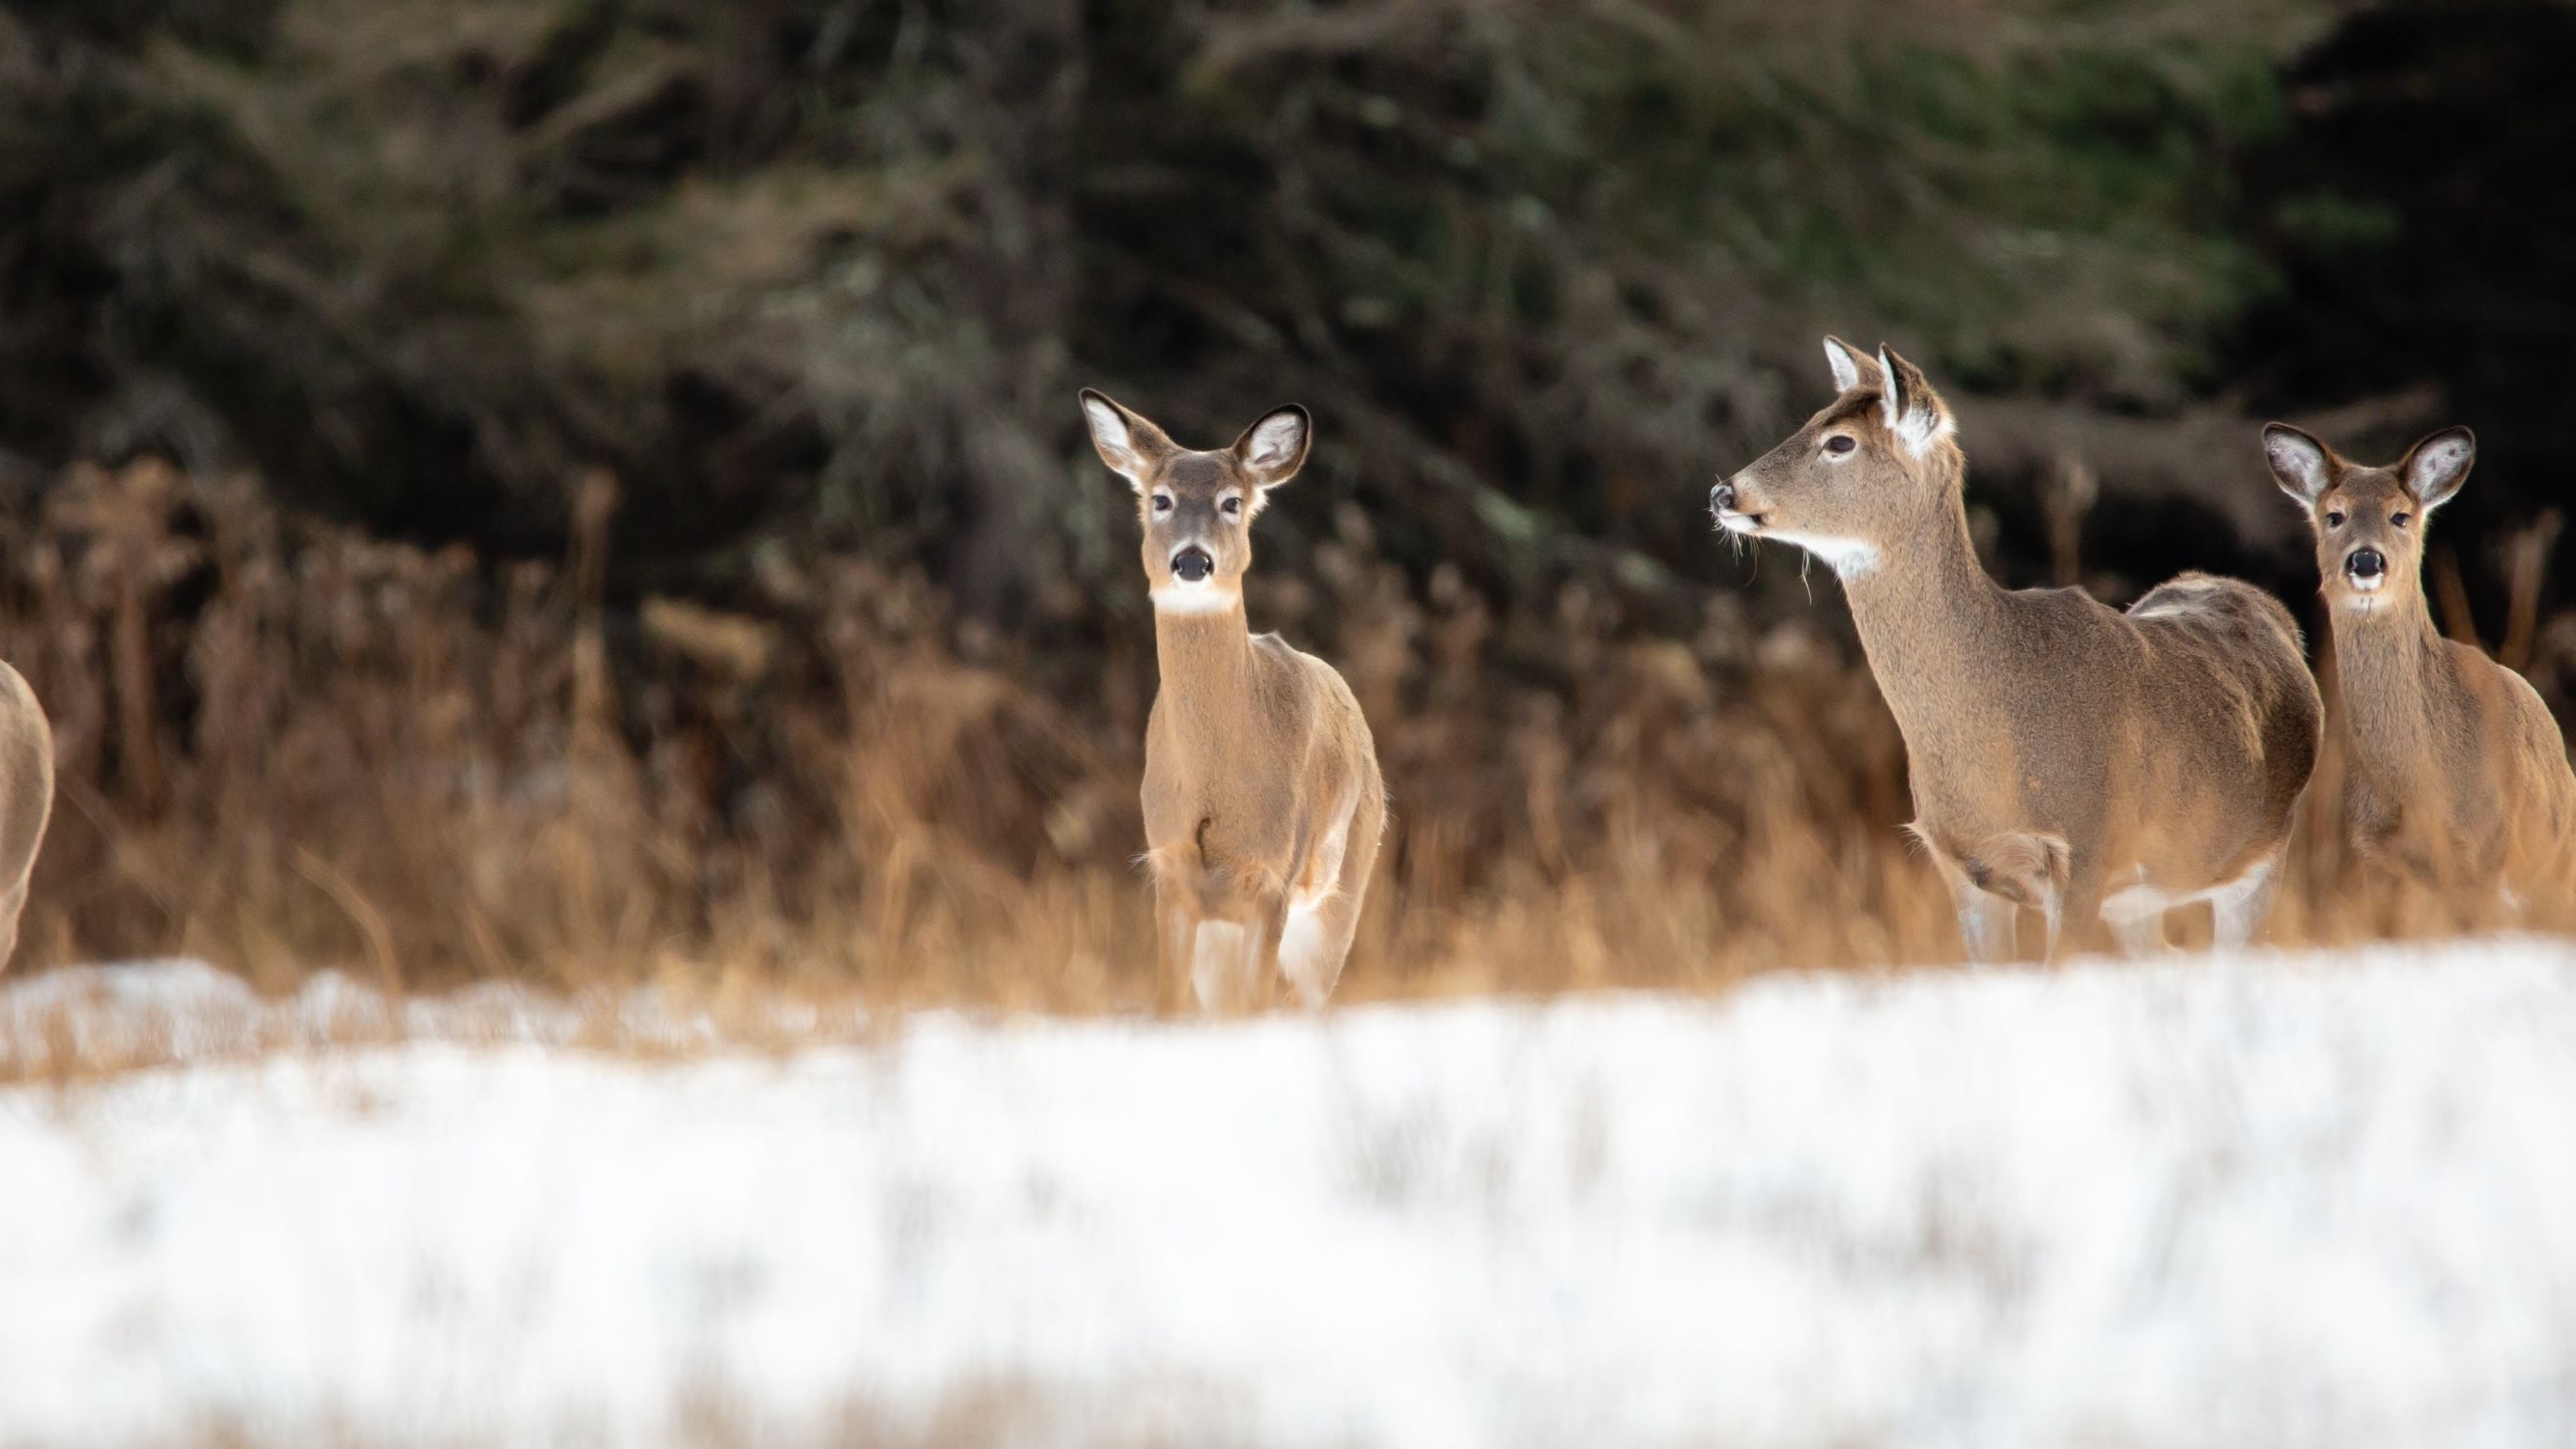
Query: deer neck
x,y
1927,616
2390,671
1205,660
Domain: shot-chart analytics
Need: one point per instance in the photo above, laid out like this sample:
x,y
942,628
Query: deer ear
x,y
1129,444
1852,367
2299,463
2436,467
1908,405
1273,449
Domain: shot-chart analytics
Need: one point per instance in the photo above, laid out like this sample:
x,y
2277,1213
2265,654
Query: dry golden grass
x,y
286,747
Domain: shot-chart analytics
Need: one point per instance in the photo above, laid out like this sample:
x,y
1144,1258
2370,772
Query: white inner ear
x,y
1274,442
1919,427
2294,459
1918,422
2437,472
1846,370
1110,431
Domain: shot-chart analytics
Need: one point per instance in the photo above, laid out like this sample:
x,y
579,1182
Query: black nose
x,y
1721,499
2365,563
1193,564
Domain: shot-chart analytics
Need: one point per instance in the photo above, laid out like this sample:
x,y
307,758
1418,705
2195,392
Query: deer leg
x,y
13,905
2074,899
1219,964
1237,945
2240,909
1989,925
2140,933
2136,915
1260,947
1995,878
1317,939
1313,944
1176,931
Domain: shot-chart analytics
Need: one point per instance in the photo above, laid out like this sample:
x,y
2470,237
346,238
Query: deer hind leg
x,y
1320,925
2239,908
2140,932
2136,915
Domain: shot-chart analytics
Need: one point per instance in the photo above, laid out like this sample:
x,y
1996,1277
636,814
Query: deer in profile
x,y
1263,802
26,798
2455,772
2064,756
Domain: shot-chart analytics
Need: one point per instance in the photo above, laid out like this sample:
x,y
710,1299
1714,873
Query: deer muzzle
x,y
1192,565
2366,567
1726,506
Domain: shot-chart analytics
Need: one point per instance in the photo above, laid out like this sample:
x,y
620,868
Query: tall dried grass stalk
x,y
285,746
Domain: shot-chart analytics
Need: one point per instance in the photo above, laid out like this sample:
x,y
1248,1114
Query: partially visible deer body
x,y
26,798
1263,802
2455,772
2064,756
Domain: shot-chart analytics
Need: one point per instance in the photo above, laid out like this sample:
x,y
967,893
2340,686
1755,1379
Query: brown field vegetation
x,y
287,747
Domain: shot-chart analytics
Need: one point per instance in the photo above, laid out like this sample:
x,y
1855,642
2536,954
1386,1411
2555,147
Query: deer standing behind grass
x,y
26,798
2064,756
1263,802
2455,771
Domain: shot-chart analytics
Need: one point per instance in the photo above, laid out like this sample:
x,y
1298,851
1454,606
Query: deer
x,y
1262,797
26,798
2064,757
2456,774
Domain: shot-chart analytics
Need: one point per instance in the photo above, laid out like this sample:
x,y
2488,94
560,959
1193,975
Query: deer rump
x,y
2149,760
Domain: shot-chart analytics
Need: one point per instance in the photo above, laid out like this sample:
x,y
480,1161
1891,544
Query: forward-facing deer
x,y
1263,803
2064,756
2454,770
26,798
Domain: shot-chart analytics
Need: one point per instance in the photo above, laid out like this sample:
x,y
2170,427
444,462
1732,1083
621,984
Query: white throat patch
x,y
1177,597
1849,558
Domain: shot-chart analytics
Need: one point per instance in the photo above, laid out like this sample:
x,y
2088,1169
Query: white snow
x,y
70,1021
2270,1200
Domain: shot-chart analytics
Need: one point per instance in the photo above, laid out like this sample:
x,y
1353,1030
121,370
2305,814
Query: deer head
x,y
1197,508
2369,522
1874,466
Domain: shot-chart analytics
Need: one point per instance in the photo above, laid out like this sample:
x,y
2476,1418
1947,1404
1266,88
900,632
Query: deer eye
x,y
2334,518
1162,503
1840,443
1233,507
2399,518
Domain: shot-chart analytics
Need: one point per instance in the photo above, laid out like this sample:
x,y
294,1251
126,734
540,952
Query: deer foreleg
x,y
1989,925
1176,933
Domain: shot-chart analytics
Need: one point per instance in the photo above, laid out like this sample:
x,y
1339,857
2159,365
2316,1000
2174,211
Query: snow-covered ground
x,y
2280,1200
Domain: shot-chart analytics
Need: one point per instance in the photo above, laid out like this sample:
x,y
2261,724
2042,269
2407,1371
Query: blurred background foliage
x,y
814,282
823,274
